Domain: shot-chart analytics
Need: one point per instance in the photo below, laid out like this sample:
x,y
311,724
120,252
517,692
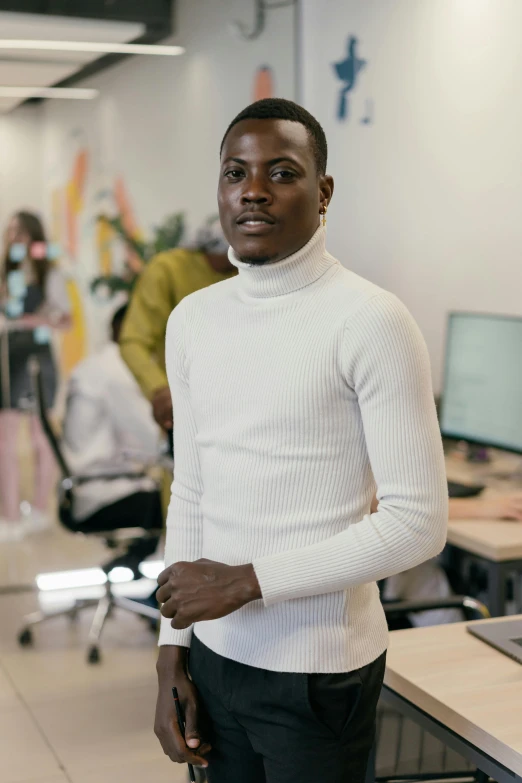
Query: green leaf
x,y
169,234
113,283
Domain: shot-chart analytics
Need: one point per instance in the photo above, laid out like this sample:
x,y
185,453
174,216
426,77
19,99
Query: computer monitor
x,y
482,392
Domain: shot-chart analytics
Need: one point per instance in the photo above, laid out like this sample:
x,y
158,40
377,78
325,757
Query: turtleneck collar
x,y
282,277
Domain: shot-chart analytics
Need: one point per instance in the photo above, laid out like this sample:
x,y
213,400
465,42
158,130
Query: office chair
x,y
389,721
134,540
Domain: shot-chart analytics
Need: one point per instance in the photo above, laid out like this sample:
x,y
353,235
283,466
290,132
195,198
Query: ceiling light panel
x,y
95,47
60,28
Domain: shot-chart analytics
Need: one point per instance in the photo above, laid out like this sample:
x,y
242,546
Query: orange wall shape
x,y
263,83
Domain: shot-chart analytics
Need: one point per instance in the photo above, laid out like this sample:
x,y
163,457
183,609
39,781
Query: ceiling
x,y
46,69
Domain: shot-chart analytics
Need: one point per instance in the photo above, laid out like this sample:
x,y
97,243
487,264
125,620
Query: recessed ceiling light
x,y
72,93
90,46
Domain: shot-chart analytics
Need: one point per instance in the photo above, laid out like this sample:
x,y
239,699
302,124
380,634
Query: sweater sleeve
x,y
386,362
184,517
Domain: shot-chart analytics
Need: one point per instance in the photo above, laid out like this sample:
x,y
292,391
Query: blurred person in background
x,y
109,428
33,302
429,580
166,280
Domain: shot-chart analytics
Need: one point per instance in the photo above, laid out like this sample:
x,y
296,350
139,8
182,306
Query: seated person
x,y
508,506
108,428
429,580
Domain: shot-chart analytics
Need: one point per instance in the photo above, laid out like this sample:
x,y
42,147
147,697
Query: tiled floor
x,y
62,720
56,550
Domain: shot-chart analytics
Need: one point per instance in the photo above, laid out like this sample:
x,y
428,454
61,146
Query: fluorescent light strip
x,y
71,93
90,46
91,577
60,580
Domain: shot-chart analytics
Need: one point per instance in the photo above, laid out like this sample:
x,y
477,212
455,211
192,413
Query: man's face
x,y
270,194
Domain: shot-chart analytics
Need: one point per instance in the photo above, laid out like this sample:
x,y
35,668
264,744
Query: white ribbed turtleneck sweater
x,y
298,388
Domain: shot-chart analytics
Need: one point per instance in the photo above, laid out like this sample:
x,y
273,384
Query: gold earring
x,y
323,213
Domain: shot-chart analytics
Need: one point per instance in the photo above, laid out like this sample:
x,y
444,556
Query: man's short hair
x,y
281,109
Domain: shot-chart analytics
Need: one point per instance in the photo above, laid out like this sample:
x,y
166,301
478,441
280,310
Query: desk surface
x,y
494,540
499,541
464,683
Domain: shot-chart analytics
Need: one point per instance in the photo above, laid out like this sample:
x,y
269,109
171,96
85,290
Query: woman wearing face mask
x,y
33,302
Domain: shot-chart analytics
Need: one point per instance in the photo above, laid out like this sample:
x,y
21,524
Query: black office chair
x,y
134,541
391,723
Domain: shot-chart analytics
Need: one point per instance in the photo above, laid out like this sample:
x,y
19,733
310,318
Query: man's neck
x,y
292,273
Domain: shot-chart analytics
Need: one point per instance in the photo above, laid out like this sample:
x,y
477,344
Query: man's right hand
x,y
172,672
162,407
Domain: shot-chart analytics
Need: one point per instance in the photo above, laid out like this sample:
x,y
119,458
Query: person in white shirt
x,y
108,428
299,389
429,580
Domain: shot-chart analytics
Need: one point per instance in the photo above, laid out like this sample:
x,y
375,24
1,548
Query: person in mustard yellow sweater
x,y
166,280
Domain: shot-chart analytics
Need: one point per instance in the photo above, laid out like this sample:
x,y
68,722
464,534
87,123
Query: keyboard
x,y
457,490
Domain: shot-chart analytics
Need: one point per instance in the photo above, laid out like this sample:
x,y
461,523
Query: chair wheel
x,y
93,656
25,638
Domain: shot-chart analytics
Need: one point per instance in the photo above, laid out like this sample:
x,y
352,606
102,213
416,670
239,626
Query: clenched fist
x,y
205,590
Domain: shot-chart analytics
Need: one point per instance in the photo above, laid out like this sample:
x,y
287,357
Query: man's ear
x,y
326,189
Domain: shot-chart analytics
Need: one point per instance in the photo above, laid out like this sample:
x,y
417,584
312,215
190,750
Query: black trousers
x,y
271,727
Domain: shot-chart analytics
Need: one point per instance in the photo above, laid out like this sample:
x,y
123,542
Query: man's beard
x,y
258,261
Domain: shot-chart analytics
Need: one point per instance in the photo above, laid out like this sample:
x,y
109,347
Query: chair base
x,y
104,608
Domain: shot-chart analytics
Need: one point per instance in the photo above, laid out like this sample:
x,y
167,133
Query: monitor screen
x,y
482,394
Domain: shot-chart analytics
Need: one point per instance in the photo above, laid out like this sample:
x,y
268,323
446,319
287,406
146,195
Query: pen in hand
x,y
181,724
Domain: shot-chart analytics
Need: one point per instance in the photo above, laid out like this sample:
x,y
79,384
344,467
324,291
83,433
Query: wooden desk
x,y
461,690
492,540
497,544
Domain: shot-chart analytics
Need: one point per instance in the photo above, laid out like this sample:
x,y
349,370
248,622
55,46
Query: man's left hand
x,y
205,590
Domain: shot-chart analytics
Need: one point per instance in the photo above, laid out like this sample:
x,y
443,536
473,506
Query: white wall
x,y
428,197
159,120
21,184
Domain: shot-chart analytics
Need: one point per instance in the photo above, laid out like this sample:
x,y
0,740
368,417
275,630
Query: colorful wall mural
x,y
67,203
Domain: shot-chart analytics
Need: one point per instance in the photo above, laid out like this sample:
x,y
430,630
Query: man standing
x,y
299,389
166,280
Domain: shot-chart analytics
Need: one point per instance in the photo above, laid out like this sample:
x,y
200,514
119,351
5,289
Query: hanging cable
x,y
260,11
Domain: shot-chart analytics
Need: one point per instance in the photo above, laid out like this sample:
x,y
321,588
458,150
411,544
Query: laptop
x,y
503,636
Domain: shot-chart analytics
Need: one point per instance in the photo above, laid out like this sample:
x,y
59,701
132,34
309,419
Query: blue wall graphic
x,y
347,72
